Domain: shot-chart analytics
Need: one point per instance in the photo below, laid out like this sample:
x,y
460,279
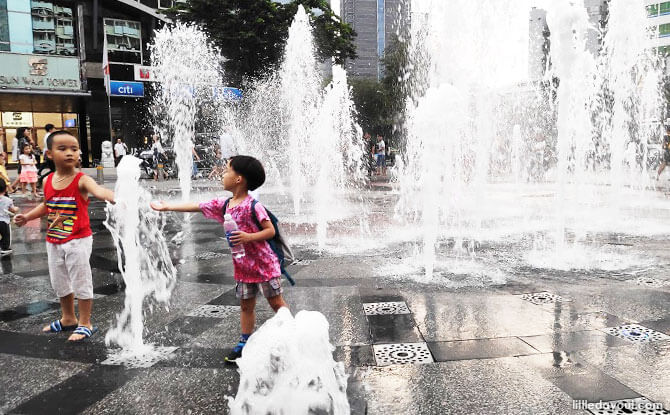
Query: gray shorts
x,y
69,268
270,288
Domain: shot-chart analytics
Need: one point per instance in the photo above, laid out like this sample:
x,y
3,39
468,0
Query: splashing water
x,y
452,125
142,252
281,375
467,131
188,68
293,124
301,93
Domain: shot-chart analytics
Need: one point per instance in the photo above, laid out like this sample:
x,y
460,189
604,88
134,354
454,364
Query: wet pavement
x,y
539,341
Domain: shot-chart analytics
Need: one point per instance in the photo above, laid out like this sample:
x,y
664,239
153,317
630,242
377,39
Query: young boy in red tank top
x,y
69,237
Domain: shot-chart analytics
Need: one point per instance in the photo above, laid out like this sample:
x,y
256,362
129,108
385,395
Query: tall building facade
x,y
375,23
538,36
51,68
658,14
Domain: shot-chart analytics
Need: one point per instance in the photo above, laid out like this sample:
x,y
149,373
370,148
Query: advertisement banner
x,y
127,89
144,73
39,72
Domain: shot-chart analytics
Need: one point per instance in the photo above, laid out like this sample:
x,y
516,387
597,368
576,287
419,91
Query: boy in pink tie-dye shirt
x,y
258,270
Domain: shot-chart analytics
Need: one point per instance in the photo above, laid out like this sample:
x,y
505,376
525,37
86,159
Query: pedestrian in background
x,y
120,150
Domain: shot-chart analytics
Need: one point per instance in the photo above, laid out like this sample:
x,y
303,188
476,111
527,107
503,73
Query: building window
x,y
381,34
652,10
664,8
124,41
664,30
4,27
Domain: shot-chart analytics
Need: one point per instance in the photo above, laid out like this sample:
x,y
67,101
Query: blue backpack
x,y
277,243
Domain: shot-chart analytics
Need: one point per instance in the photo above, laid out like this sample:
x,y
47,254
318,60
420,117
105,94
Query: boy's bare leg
x,y
660,170
277,302
247,315
68,318
85,307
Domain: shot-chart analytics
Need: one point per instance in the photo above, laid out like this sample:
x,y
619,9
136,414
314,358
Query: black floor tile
x,y
399,328
52,346
355,356
182,330
199,358
479,349
227,298
78,392
662,325
572,341
375,295
26,310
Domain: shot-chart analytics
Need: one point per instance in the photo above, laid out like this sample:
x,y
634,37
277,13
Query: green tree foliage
x,y
251,34
381,105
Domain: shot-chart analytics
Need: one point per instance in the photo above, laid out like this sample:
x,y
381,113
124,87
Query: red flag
x,y
105,65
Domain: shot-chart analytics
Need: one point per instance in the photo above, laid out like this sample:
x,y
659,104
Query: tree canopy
x,y
251,34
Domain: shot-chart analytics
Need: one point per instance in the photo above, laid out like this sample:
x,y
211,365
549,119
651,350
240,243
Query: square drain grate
x,y
543,298
390,307
636,333
215,311
402,353
209,255
650,282
142,359
624,406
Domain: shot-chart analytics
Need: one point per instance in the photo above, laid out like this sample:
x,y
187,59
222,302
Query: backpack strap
x,y
225,206
254,215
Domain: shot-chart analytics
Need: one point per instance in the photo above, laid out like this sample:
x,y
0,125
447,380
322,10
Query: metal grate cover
x,y
650,282
402,353
543,298
142,359
209,255
215,311
636,333
625,407
390,307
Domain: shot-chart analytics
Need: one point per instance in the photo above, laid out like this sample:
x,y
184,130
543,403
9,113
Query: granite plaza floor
x,y
542,342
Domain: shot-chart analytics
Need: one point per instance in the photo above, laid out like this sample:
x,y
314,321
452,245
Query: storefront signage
x,y
145,73
227,92
126,89
17,119
39,72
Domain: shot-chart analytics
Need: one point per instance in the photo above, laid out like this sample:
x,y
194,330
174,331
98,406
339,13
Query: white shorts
x,y
70,269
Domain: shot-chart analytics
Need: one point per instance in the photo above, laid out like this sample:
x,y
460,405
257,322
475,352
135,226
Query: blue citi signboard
x,y
126,89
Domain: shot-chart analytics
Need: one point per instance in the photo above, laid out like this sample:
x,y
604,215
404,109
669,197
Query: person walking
x,y
21,138
47,164
159,154
381,156
120,150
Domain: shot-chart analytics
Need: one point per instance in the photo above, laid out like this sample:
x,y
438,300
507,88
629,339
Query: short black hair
x,y
50,139
49,127
251,169
3,187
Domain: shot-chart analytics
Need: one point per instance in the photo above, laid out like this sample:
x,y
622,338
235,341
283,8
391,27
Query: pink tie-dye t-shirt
x,y
259,264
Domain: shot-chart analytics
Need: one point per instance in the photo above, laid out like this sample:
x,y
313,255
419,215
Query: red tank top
x,y
67,212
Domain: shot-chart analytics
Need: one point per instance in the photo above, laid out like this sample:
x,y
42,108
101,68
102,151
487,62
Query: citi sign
x,y
126,89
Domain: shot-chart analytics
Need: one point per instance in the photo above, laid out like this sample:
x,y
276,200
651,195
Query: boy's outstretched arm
x,y
89,185
163,206
39,211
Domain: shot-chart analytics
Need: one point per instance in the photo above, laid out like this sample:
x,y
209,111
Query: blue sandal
x,y
57,327
84,331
